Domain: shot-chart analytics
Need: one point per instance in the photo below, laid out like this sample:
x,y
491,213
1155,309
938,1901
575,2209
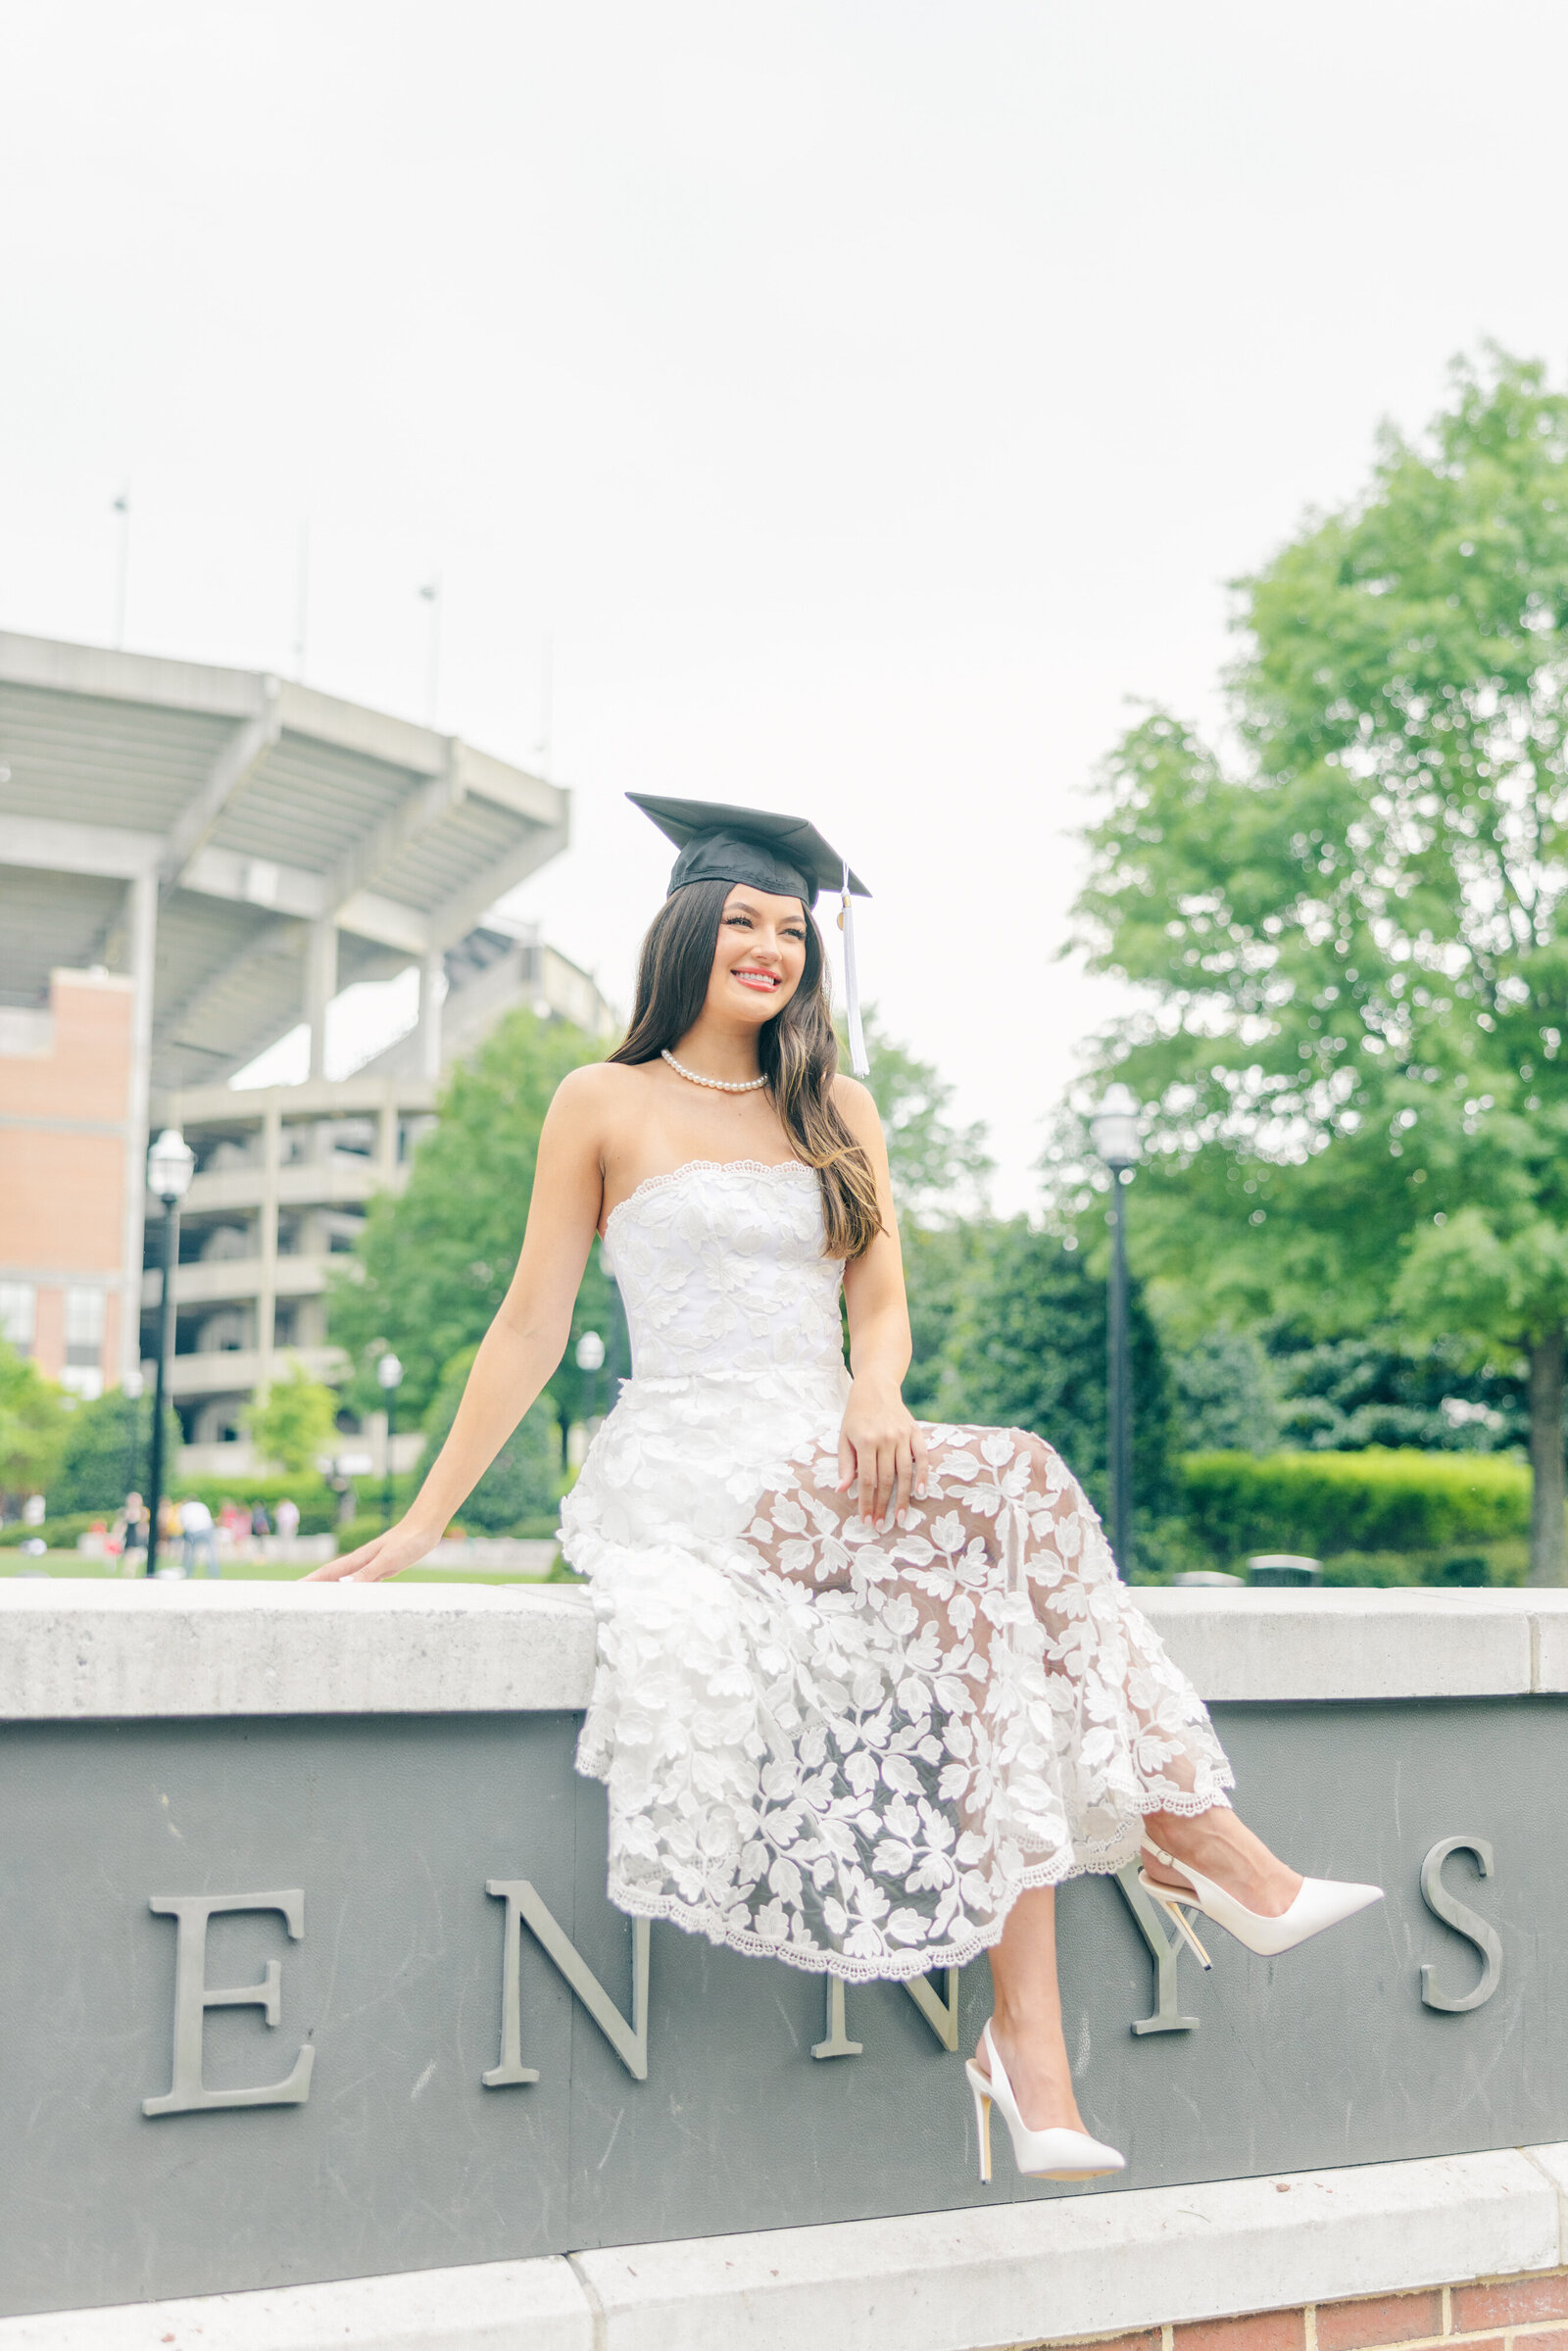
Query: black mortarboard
x,y
782,854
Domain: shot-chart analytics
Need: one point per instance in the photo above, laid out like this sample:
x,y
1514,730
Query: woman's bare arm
x,y
881,1450
523,1344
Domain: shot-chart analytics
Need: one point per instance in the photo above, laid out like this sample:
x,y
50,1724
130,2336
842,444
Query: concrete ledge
x,y
1018,2273
495,2305
74,1650
1422,1644
1095,2264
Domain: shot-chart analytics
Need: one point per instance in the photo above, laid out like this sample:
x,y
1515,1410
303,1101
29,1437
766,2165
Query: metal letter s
x,y
1463,1921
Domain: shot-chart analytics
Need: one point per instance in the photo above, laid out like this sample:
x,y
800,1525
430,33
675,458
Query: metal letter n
x,y
939,2009
629,2041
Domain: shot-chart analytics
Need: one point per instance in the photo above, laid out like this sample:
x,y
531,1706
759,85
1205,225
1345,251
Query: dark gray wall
x,y
400,2159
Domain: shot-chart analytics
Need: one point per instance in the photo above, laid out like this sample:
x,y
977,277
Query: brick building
x,y
193,863
70,1179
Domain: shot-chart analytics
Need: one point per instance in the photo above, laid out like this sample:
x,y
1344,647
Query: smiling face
x,y
759,956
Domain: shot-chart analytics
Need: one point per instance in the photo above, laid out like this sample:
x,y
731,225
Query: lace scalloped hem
x,y
821,1959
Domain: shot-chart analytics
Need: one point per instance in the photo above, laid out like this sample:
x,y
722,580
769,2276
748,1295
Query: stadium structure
x,y
194,861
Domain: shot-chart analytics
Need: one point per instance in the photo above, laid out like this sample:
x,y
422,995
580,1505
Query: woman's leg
x,y
1026,2020
1225,1850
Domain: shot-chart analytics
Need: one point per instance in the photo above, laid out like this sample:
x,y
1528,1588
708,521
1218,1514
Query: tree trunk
x,y
1548,1535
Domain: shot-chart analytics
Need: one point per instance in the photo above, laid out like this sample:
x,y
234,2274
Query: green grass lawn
x,y
1507,1563
260,1571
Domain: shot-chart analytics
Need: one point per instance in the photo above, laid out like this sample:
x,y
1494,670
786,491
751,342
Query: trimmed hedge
x,y
58,1533
1377,1500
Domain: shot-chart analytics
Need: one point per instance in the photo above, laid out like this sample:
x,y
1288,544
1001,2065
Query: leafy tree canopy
x,y
1027,1349
524,1478
434,1261
938,1169
1227,1395
294,1422
106,1450
35,1420
1374,1387
1350,939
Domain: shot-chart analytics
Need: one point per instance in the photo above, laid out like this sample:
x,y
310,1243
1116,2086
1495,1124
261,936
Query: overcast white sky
x,y
867,398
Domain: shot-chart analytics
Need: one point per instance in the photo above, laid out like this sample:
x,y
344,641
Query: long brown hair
x,y
797,1051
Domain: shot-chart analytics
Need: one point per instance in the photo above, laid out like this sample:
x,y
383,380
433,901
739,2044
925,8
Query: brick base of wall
x,y
1496,2313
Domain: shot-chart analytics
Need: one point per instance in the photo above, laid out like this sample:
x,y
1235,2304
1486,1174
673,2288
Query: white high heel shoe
x,y
1321,1902
1038,2154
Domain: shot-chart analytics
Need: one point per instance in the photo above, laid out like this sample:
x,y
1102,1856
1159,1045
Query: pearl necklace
x,y
719,1085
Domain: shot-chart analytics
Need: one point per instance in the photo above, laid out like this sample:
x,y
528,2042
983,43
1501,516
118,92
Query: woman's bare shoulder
x,y
856,1104
597,1091
600,1080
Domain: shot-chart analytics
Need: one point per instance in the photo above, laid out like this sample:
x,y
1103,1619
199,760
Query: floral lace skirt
x,y
848,1749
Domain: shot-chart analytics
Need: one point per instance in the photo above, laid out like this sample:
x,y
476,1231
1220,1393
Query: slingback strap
x,y
1170,1900
1190,1890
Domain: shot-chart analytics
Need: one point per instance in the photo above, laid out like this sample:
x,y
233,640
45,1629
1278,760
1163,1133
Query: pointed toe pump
x,y
1038,2154
1321,1902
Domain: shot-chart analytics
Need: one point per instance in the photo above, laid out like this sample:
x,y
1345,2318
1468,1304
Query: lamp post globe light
x,y
171,1165
1114,1131
590,1358
388,1376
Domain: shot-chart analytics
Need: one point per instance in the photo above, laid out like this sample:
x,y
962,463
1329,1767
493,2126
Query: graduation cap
x,y
784,856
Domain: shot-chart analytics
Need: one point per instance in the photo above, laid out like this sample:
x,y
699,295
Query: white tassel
x,y
859,1063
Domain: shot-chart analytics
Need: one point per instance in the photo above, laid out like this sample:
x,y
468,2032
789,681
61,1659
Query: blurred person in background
x,y
196,1526
132,1526
288,1518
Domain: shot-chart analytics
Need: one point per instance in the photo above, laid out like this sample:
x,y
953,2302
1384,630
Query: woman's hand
x,y
881,1452
401,1545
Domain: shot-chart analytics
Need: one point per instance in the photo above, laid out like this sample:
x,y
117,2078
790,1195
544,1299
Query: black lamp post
x,y
388,1373
1114,1132
171,1165
131,1389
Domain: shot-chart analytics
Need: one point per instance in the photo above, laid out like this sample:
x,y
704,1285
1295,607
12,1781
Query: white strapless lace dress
x,y
847,1750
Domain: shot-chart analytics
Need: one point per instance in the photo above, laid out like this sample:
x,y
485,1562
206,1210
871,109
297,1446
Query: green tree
x,y
1505,1280
524,1478
1227,1396
1375,1388
1351,941
34,1421
434,1261
1028,1351
939,1173
941,1265
938,1169
294,1422
107,1448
